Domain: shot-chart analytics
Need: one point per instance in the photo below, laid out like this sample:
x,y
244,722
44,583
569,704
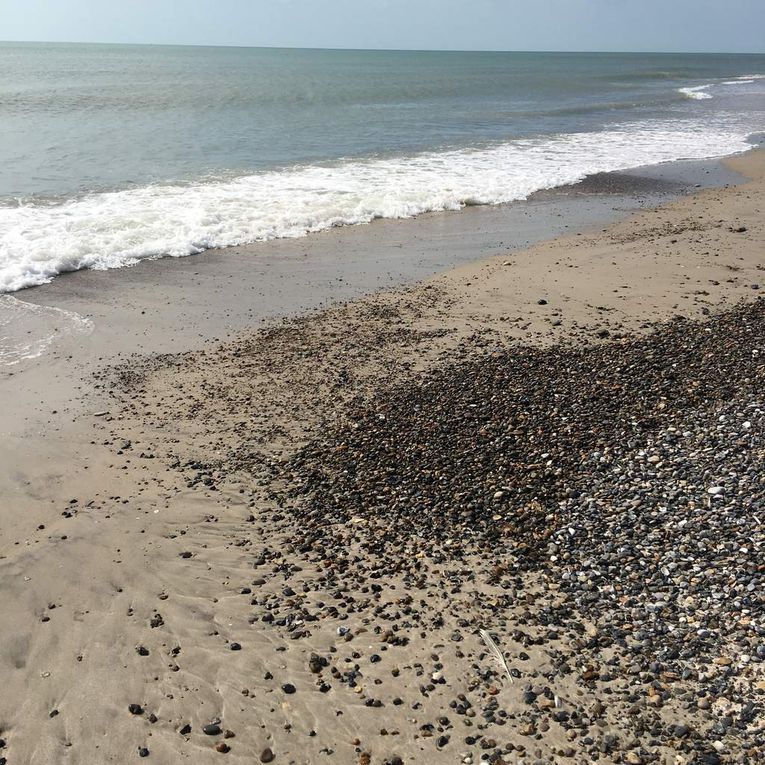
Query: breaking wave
x,y
120,228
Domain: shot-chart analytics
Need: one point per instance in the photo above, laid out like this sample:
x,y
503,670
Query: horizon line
x,y
387,50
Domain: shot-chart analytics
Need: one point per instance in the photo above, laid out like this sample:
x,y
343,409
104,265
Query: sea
x,y
112,154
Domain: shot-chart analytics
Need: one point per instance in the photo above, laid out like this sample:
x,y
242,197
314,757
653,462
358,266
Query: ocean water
x,y
114,154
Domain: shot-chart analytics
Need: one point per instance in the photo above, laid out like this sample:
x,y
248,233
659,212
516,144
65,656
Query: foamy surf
x,y
698,93
27,330
115,229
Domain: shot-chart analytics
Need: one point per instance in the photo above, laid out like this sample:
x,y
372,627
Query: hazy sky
x,y
633,25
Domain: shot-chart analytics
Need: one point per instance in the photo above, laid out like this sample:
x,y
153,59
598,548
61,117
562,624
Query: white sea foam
x,y
114,229
28,330
698,93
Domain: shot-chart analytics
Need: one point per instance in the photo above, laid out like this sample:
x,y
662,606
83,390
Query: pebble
x,y
602,499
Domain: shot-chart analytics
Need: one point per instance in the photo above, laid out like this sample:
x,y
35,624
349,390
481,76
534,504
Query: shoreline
x,y
182,496
161,305
157,305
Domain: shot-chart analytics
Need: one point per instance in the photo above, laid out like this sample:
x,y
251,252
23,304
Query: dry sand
x,y
158,525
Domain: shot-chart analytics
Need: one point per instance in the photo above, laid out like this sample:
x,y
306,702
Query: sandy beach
x,y
270,518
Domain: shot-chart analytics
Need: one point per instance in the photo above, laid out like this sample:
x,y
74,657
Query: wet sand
x,y
182,536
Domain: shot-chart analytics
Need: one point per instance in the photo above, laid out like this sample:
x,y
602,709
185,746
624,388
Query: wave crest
x,y
697,94
114,229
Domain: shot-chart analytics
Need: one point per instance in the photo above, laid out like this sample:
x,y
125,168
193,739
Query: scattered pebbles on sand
x,y
598,509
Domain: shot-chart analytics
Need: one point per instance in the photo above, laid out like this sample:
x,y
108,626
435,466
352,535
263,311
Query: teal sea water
x,y
113,154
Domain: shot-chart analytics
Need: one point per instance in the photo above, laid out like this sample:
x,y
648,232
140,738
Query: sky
x,y
594,25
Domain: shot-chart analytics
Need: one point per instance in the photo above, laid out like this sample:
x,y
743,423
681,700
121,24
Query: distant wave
x,y
121,228
597,107
698,94
644,76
